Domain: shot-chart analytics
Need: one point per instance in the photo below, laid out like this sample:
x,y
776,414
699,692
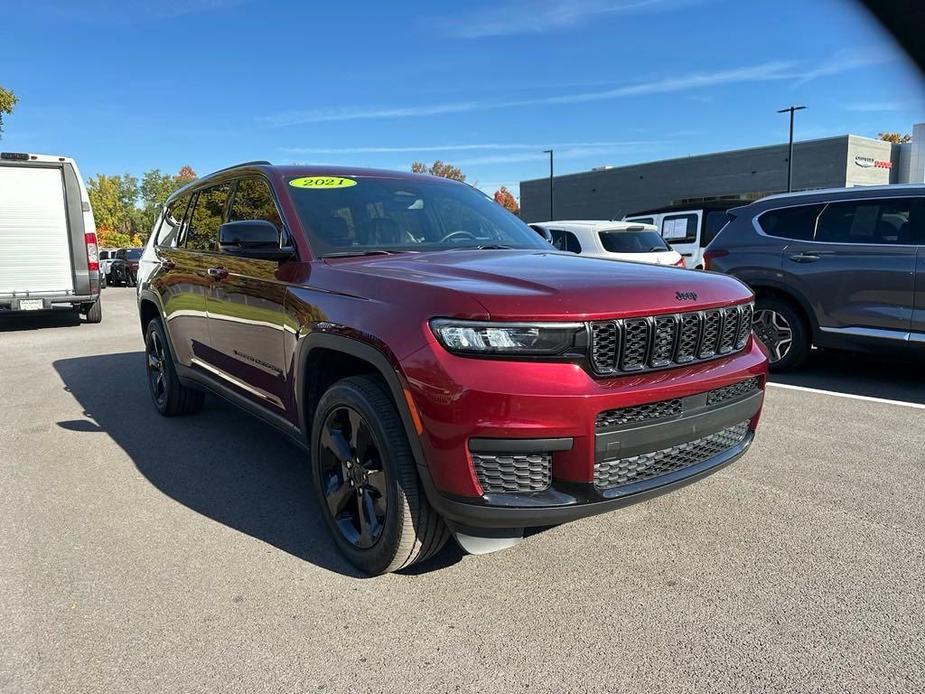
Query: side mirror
x,y
252,238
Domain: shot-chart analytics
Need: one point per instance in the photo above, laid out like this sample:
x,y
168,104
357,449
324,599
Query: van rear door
x,y
35,248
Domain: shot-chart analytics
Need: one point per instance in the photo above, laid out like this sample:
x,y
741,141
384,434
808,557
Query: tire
x,y
170,397
409,530
94,311
773,317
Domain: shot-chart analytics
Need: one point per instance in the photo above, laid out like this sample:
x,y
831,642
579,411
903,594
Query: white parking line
x,y
901,403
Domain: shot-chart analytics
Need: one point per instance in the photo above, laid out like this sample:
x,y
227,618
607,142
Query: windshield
x,y
398,214
633,242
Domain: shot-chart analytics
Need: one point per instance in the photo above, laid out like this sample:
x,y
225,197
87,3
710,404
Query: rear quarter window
x,y
797,223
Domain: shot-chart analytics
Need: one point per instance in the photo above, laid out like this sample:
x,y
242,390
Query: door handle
x,y
217,273
804,258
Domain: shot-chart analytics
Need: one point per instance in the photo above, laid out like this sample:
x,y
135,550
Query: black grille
x,y
660,342
635,344
689,336
712,320
736,390
645,466
666,329
605,340
727,338
513,472
638,413
745,325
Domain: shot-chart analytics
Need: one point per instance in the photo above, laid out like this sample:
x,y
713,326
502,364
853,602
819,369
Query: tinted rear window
x,y
791,222
133,253
632,242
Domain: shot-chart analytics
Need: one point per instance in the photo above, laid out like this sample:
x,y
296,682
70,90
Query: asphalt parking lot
x,y
144,554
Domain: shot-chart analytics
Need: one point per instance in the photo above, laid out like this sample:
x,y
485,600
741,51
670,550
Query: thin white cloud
x,y
455,147
540,16
764,71
521,157
843,61
882,106
777,70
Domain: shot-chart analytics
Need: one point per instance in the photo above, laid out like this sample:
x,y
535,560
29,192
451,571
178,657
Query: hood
x,y
533,285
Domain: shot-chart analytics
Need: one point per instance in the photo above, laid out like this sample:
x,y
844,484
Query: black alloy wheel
x,y
353,478
157,368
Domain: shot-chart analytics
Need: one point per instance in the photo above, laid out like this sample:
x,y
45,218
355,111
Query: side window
x,y
169,232
798,223
680,228
565,241
868,221
208,215
253,200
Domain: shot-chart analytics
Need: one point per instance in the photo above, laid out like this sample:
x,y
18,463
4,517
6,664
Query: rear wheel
x,y
94,311
367,482
783,331
171,398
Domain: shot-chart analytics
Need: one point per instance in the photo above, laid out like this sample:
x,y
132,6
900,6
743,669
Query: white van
x,y
48,250
689,228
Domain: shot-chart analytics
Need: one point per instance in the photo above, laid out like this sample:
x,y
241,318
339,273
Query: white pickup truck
x,y
48,250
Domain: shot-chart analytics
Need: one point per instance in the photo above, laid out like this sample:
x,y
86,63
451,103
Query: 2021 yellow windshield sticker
x,y
323,182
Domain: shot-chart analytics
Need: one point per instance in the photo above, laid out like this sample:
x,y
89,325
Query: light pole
x,y
551,212
791,110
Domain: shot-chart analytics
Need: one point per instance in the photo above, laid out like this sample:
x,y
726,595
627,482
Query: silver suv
x,y
841,268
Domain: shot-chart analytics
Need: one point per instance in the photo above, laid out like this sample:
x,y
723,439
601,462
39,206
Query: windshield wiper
x,y
350,254
483,247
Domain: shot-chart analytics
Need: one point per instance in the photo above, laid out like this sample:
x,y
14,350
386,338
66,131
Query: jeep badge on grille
x,y
686,296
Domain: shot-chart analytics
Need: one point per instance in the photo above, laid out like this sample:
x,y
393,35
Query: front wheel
x,y
367,481
783,331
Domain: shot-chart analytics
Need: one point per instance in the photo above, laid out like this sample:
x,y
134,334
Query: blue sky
x,y
128,85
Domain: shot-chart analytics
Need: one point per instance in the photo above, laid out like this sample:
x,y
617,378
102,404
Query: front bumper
x,y
567,501
467,406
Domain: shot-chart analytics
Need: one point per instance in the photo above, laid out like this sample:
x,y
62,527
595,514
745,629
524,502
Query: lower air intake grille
x,y
513,472
638,413
736,390
645,466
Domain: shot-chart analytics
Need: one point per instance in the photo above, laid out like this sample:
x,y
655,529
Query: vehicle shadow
x,y
221,462
860,374
42,319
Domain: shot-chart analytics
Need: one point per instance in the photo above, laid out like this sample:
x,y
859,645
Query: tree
x,y
108,238
504,198
438,168
895,138
126,210
113,199
155,188
8,101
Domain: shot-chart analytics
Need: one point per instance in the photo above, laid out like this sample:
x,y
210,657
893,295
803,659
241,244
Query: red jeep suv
x,y
447,371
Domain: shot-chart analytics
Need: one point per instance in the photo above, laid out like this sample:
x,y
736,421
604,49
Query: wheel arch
x,y
326,358
784,293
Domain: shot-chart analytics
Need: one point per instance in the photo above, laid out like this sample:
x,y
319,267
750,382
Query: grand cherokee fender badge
x,y
685,296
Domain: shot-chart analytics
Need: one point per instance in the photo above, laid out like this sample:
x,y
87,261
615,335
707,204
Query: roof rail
x,y
256,162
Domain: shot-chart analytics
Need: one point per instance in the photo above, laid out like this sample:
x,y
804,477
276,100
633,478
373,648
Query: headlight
x,y
475,337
